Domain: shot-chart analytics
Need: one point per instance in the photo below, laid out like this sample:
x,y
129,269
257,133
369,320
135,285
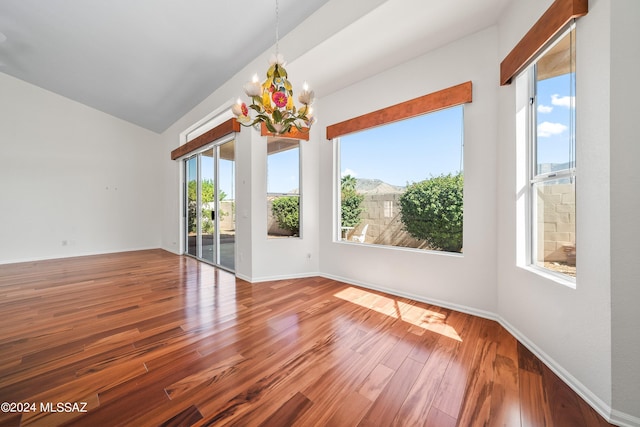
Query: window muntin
x,y
283,187
552,175
379,166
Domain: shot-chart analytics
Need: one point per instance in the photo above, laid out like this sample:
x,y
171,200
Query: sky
x,y
554,110
283,171
407,151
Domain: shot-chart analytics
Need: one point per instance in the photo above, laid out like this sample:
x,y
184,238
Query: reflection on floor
x,y
227,249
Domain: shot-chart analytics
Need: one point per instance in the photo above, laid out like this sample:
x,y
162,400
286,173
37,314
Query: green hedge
x,y
432,210
350,202
286,211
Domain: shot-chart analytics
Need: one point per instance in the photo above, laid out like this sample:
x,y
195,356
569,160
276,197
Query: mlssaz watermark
x,y
51,407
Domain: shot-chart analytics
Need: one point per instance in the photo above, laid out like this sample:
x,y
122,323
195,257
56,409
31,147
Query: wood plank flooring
x,y
149,338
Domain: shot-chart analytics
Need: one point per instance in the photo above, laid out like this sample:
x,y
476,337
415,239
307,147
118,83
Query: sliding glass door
x,y
191,206
227,205
210,205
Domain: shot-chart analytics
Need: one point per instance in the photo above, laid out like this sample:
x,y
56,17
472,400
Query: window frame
x,y
449,97
298,147
337,175
533,177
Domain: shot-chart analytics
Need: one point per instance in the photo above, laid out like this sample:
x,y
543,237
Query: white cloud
x,y
544,108
349,172
562,101
547,129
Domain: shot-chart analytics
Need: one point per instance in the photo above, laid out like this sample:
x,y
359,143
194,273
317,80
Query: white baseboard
x,y
74,255
274,278
464,309
624,420
243,277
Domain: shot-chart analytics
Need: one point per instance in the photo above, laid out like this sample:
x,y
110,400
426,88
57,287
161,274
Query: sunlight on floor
x,y
418,316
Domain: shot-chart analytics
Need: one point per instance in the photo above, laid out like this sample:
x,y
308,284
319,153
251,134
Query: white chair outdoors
x,y
363,234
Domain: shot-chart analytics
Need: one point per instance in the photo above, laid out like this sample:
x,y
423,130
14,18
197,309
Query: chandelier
x,y
272,100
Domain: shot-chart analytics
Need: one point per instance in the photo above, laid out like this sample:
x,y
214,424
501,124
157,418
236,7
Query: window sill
x,y
558,278
399,248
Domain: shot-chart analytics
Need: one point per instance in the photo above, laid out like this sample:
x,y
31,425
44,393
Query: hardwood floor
x,y
149,338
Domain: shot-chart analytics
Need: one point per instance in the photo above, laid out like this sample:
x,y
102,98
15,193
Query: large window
x,y
401,184
552,164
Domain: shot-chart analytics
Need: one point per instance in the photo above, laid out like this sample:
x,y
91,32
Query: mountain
x,y
376,186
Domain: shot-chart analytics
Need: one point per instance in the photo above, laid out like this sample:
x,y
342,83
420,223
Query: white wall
x,y
569,328
468,280
283,257
625,206
69,173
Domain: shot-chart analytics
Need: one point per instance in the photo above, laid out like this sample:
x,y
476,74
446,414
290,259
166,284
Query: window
x,y
552,162
283,187
401,183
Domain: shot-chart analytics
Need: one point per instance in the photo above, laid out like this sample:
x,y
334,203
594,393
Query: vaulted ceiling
x,y
151,61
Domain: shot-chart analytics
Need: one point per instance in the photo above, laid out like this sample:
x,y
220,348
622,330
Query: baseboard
x,y
243,277
274,278
74,255
462,308
173,251
624,420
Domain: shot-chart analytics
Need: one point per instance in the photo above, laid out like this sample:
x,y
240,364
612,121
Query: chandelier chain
x,y
277,27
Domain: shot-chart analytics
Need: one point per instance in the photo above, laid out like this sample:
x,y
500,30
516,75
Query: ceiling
x,y
151,61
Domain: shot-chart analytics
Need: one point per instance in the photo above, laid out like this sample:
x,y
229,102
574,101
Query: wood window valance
x,y
293,133
223,129
559,14
435,101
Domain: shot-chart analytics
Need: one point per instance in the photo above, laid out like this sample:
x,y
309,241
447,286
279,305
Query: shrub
x,y
432,210
207,187
350,202
286,211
